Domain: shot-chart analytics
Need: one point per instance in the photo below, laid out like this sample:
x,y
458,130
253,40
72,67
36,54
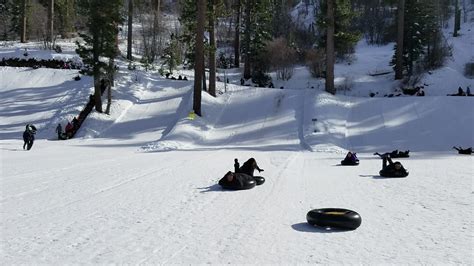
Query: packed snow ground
x,y
140,185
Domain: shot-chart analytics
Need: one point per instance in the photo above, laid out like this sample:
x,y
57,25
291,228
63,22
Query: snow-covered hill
x,y
139,186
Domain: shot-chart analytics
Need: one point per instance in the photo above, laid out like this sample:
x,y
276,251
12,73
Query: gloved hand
x,y
260,170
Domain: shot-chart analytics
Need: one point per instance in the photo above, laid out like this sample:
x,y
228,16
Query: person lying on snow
x,y
388,166
397,153
249,167
463,151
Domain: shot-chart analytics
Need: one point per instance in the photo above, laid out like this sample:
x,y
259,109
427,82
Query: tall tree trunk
x,y
24,16
50,31
400,31
248,9
130,30
237,35
199,56
97,75
330,48
204,85
156,20
212,50
457,19
110,83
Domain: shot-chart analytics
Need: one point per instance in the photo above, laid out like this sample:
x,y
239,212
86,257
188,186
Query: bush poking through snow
x,y
282,58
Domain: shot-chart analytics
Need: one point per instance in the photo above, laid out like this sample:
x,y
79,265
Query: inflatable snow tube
x,y
240,182
349,162
393,173
259,180
334,218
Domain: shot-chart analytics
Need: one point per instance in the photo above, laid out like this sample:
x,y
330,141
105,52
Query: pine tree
x,y
65,10
5,16
171,55
188,36
345,37
281,20
103,18
413,41
257,30
20,11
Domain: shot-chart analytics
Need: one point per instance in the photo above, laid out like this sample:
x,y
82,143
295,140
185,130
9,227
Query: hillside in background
x,y
140,185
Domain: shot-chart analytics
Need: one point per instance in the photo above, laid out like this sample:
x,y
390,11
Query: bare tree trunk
x,y
204,85
248,8
330,48
237,35
24,16
156,20
130,30
50,31
199,56
110,83
400,30
212,50
97,77
97,93
457,19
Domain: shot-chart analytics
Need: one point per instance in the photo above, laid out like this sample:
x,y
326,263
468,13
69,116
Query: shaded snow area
x,y
139,186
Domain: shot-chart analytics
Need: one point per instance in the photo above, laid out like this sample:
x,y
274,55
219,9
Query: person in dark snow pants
x,y
236,165
28,137
59,130
249,167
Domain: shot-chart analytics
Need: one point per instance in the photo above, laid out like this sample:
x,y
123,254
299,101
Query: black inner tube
x,y
334,218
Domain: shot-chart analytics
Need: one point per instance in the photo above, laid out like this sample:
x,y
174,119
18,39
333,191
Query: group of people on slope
x,y
462,93
389,168
69,130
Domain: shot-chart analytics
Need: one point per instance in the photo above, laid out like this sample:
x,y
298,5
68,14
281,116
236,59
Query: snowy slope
x,y
139,186
44,97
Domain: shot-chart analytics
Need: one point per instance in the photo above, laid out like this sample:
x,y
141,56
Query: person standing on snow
x,y
59,130
29,136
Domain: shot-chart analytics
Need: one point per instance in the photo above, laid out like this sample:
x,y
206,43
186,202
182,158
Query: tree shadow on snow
x,y
306,227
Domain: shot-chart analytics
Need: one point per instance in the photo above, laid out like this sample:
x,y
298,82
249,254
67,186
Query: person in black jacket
x,y
29,136
390,167
249,167
236,165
